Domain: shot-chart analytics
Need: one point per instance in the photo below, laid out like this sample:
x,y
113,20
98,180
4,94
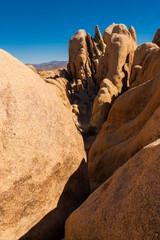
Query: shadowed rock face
x,y
74,193
126,206
40,150
156,38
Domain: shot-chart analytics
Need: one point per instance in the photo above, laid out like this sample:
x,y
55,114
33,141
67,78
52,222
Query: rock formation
x,y
126,131
91,61
43,171
115,65
126,206
156,38
124,159
33,68
79,62
111,88
145,64
84,55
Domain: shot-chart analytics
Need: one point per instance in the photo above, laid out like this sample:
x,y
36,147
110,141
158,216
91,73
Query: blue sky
x,y
39,31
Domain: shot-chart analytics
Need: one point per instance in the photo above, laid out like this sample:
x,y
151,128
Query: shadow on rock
x,y
75,192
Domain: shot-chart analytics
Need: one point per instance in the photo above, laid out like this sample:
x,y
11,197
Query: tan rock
x,y
84,55
126,206
156,38
133,34
61,85
79,63
40,153
54,73
114,65
119,54
75,109
32,68
79,85
132,123
102,103
144,51
145,64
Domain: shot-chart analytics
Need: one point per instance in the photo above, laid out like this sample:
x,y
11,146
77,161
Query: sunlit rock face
x,y
92,60
132,120
126,206
42,167
123,162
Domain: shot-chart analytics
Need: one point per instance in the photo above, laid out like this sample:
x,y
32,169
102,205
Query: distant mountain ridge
x,y
50,65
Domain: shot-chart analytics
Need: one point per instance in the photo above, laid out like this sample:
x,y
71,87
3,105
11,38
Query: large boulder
x,y
145,64
84,55
32,68
79,65
114,65
126,206
91,60
119,54
129,126
132,123
42,167
102,103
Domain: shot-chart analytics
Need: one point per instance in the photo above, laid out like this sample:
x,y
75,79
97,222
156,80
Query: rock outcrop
x,y
124,159
115,65
145,64
102,103
93,60
33,68
79,65
111,88
84,56
132,122
43,173
126,131
156,38
126,206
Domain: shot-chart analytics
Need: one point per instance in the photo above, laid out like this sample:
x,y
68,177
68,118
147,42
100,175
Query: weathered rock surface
x,y
84,55
156,38
53,74
79,61
119,54
145,64
91,60
126,131
126,206
33,68
42,170
125,157
102,103
132,122
115,65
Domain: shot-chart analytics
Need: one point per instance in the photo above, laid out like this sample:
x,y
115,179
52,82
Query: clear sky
x,y
36,31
